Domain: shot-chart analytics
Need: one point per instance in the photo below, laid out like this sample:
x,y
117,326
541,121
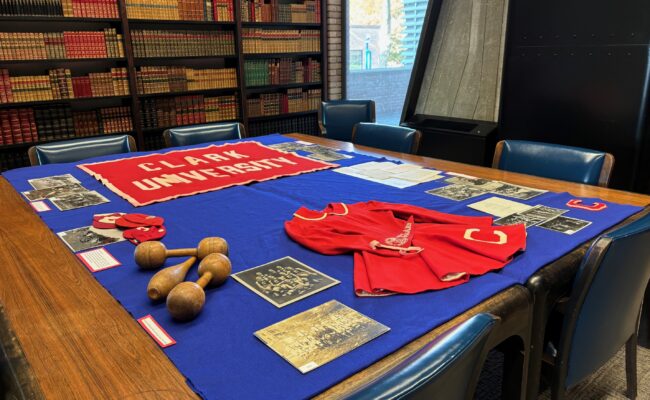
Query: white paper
x,y
394,182
499,207
419,175
398,183
376,174
399,168
372,165
98,260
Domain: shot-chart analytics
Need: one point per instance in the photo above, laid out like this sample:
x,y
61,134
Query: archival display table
x,y
79,341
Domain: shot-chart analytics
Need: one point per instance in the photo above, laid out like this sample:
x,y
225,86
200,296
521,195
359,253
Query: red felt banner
x,y
159,177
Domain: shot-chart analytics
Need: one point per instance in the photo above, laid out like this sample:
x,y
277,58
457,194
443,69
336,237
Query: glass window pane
x,y
382,41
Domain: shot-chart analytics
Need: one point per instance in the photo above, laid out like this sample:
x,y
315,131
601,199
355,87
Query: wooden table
x,y
79,342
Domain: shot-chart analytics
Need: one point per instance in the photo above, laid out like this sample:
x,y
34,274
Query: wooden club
x,y
186,300
152,255
164,280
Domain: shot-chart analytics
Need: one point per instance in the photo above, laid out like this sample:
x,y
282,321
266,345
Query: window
x,y
382,40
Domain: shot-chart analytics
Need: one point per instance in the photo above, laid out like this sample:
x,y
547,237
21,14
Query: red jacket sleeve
x,y
324,239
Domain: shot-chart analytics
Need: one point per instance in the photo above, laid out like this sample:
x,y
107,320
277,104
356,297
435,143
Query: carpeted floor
x,y
606,383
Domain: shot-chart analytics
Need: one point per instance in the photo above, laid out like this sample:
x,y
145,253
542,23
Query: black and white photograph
x,y
78,200
284,281
531,217
544,212
317,152
457,192
58,191
324,153
84,238
53,181
289,146
565,225
485,184
517,192
513,219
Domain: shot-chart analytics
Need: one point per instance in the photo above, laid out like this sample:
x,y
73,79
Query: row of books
x,y
19,89
60,45
261,11
59,84
90,8
154,142
60,8
102,121
257,40
17,125
102,84
181,79
28,125
302,124
187,110
115,119
280,71
158,43
180,10
295,100
222,10
13,159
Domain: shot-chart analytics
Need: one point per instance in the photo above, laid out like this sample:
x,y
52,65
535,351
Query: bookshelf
x,y
69,69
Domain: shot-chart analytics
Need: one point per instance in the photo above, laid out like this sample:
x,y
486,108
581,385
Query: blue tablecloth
x,y
217,351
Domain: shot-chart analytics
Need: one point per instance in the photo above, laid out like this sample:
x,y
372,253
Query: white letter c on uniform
x,y
503,238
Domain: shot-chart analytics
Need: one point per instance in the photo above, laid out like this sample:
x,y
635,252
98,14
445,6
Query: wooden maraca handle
x,y
152,255
186,300
181,252
164,280
204,279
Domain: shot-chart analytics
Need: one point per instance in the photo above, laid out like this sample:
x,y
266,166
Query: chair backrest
x,y
196,134
555,161
80,149
338,117
603,311
387,137
446,368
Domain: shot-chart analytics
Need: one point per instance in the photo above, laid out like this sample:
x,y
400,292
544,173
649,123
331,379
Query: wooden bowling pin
x,y
164,280
152,255
186,300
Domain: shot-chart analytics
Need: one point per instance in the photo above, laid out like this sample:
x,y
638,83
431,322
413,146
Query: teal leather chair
x,y
387,137
602,312
80,149
197,134
447,368
338,117
574,164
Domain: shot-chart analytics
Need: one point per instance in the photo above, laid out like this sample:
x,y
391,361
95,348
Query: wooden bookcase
x,y
149,138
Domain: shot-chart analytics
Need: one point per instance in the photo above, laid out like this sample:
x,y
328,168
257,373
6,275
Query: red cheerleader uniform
x,y
400,248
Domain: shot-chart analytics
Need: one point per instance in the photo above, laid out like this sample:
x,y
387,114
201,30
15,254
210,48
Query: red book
x,y
23,119
5,128
32,124
15,126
